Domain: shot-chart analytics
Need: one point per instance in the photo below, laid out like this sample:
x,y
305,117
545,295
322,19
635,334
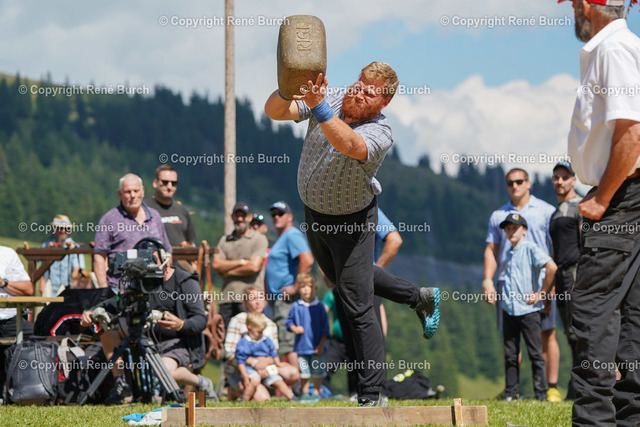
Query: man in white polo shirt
x,y
604,145
14,282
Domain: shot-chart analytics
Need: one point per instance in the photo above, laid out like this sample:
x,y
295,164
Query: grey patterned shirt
x,y
330,182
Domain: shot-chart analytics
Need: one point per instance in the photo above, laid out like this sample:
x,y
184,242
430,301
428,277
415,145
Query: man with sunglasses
x,y
289,256
175,217
538,214
604,145
347,140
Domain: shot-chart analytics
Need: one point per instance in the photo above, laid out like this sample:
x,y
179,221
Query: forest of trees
x,y
62,154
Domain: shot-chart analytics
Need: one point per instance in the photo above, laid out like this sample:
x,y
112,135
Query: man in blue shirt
x,y
289,256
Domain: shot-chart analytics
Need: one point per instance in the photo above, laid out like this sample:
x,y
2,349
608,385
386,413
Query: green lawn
x,y
526,412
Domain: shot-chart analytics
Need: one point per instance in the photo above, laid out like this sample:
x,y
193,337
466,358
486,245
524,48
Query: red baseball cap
x,y
609,2
606,2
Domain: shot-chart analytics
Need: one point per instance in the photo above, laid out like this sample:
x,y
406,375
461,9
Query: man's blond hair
x,y
382,72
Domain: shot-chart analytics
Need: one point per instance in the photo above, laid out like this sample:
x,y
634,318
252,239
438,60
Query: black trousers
x,y
230,309
529,327
605,309
342,245
344,351
565,279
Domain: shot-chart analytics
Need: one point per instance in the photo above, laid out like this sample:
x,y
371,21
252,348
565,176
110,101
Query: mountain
x,y
64,154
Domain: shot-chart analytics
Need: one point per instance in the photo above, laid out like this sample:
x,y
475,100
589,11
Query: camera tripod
x,y
142,349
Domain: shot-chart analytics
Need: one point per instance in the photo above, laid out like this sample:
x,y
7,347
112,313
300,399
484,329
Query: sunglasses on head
x,y
515,181
166,182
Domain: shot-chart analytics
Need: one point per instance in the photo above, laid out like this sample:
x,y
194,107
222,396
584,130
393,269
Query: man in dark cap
x,y
239,260
564,229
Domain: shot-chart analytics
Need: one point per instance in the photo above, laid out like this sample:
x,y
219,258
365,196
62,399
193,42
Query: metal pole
x,y
229,118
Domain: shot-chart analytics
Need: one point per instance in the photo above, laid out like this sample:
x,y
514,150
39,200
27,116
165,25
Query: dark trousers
x,y
8,329
605,309
565,279
230,309
528,326
349,351
342,245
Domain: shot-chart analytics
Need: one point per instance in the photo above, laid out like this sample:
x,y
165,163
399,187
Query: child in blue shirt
x,y
309,321
522,305
255,345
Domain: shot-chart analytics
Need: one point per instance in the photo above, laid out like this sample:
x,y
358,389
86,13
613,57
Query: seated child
x,y
253,346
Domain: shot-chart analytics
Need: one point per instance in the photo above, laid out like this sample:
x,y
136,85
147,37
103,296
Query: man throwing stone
x,y
346,142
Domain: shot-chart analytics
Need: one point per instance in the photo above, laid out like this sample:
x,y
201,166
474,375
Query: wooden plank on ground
x,y
339,416
457,411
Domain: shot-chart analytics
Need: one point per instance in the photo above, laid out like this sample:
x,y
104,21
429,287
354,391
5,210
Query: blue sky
x,y
493,92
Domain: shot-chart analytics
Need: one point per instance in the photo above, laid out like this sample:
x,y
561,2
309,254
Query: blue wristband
x,y
322,112
282,96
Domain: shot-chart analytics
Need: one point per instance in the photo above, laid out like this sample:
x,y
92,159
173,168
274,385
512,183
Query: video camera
x,y
141,273
138,267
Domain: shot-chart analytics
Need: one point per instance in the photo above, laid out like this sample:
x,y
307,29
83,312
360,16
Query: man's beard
x,y
357,112
560,191
241,228
582,25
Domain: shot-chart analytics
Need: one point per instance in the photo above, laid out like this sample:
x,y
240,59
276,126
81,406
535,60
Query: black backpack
x,y
408,385
32,373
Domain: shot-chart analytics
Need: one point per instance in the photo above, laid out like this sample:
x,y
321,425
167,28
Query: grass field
x,y
524,412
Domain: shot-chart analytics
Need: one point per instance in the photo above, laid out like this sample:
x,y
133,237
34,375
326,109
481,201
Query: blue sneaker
x,y
310,398
428,311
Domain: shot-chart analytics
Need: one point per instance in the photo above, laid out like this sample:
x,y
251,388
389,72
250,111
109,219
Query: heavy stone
x,y
302,53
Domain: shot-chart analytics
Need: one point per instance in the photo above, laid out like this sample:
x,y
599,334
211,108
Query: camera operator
x,y
178,334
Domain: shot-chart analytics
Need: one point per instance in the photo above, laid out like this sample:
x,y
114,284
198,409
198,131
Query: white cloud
x,y
118,41
517,123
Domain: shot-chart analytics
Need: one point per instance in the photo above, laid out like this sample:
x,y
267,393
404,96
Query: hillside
x,y
64,154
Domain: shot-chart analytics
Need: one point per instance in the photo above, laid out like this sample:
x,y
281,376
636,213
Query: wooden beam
x,y
457,410
192,410
48,256
339,416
